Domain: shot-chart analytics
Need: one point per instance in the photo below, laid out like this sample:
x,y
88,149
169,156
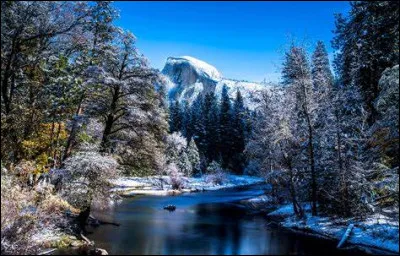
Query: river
x,y
203,223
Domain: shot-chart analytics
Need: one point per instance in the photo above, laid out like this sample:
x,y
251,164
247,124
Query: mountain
x,y
187,77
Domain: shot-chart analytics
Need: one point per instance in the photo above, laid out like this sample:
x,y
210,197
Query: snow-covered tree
x,y
296,73
175,117
176,153
87,180
187,124
193,155
126,100
225,127
32,35
215,173
211,139
385,132
367,42
238,133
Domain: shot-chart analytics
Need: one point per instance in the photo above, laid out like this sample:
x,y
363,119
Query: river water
x,y
203,223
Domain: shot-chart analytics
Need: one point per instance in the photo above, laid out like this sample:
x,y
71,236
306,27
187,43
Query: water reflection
x,y
206,223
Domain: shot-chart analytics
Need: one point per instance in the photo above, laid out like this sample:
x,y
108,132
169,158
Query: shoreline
x,y
128,187
366,235
321,227
132,186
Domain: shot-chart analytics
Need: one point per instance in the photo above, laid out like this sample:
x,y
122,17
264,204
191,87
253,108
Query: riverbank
x,y
376,234
162,185
58,239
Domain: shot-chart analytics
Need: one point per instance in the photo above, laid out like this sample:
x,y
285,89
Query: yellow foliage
x,y
48,139
53,203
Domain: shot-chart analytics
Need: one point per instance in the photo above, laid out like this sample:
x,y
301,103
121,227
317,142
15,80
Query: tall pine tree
x,y
297,75
175,117
225,127
238,136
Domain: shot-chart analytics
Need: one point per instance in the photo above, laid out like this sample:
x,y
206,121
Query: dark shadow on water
x,y
203,223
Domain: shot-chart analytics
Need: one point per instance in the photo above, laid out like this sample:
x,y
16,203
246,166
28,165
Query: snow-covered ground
x,y
377,231
161,185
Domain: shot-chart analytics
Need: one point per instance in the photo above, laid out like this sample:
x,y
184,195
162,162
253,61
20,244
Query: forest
x,y
80,106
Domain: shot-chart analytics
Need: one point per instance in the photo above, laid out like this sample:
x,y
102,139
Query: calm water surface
x,y
203,223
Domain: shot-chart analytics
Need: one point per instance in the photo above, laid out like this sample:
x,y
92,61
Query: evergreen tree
x,y
225,127
210,113
193,155
175,117
367,43
296,74
320,69
187,124
322,79
238,136
198,120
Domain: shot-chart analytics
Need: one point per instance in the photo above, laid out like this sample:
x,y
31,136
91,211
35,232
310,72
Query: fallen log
x,y
346,235
47,252
103,222
86,239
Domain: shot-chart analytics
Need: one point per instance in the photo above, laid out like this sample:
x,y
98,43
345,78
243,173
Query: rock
x,y
187,77
170,208
174,192
98,251
76,243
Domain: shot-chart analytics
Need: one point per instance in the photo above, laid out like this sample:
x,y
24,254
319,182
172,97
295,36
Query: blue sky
x,y
243,40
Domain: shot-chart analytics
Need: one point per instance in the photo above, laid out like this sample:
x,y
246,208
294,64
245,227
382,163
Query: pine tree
x,y
320,69
296,74
187,124
238,136
198,118
367,43
210,112
193,155
322,79
175,117
225,127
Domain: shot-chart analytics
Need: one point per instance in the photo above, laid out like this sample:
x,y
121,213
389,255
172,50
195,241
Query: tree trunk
x,y
343,186
109,122
56,144
296,207
72,134
107,130
82,219
312,167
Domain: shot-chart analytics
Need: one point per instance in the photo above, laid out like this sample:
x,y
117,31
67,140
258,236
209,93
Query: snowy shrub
x,y
175,177
215,174
88,175
25,170
177,153
26,213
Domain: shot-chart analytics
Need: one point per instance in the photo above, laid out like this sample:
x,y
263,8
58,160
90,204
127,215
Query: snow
x,y
202,68
249,90
195,89
375,231
150,185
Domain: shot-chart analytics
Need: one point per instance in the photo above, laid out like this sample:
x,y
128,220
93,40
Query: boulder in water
x,y
170,208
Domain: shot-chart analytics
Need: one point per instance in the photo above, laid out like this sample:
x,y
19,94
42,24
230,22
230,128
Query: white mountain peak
x,y
188,77
201,67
